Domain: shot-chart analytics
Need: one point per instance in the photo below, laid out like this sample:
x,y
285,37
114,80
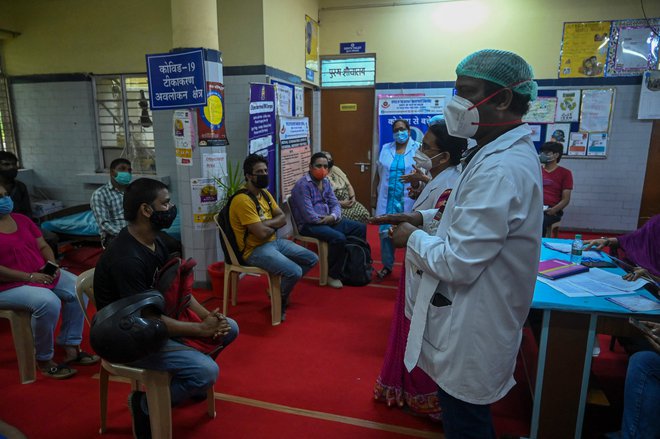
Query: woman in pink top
x,y
24,287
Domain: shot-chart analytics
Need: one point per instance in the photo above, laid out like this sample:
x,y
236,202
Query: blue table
x,y
565,352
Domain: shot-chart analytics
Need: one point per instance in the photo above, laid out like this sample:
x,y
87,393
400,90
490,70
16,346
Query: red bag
x,y
175,281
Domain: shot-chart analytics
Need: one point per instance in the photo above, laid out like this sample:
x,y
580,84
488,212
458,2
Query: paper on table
x,y
594,287
615,280
636,303
563,286
566,248
595,282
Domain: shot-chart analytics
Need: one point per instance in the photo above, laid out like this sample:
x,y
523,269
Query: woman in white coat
x,y
389,193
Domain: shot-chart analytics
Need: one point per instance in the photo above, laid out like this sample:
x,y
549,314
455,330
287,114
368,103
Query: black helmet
x,y
120,334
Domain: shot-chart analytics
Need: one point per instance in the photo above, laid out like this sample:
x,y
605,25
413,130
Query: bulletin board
x,y
581,121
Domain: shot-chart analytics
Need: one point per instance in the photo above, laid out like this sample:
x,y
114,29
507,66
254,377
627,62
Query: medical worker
x,y
476,274
389,193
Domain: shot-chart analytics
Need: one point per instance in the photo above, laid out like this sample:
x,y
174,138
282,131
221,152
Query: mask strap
x,y
490,96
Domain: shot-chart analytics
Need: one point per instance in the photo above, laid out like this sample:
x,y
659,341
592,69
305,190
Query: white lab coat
x,y
385,160
434,188
483,257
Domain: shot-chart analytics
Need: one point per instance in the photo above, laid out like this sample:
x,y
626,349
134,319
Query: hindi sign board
x,y
176,80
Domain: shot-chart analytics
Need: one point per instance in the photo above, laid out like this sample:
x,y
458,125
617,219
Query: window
x,y
124,123
7,140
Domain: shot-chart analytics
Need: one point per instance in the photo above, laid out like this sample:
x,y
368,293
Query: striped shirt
x,y
108,207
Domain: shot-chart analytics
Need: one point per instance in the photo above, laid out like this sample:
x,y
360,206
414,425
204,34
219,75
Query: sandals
x,y
383,273
59,372
84,359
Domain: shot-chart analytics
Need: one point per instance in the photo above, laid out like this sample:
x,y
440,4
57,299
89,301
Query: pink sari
x,y
395,385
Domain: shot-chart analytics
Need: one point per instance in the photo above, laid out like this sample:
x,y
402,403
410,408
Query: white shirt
x,y
434,188
483,258
385,160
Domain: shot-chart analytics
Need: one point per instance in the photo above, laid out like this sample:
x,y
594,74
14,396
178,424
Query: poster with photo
x,y
183,137
558,132
596,110
536,133
211,128
568,106
577,144
649,97
311,44
541,110
584,49
204,193
633,47
597,145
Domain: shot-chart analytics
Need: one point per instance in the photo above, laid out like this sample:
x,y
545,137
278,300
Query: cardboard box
x,y
46,207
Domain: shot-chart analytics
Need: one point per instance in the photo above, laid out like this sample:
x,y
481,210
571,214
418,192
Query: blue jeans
x,y
641,397
462,420
335,235
192,372
284,257
386,250
45,305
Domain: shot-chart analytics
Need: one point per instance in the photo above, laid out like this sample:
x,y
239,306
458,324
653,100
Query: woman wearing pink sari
x,y
440,156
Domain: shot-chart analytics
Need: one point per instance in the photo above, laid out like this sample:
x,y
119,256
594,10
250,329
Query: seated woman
x,y
350,207
439,154
25,287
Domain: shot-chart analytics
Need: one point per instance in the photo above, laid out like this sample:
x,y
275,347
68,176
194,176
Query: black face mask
x,y
9,174
261,182
163,219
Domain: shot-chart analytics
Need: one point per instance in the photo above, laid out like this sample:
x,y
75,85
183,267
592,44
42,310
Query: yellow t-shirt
x,y
243,212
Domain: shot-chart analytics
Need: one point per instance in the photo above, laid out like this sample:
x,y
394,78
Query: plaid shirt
x,y
108,207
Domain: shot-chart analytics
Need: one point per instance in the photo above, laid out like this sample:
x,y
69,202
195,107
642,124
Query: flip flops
x,y
84,359
59,372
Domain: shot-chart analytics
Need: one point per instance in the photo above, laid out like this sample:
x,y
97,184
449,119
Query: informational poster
x,y
568,106
558,132
182,125
416,109
284,99
633,47
299,99
311,44
584,49
541,110
649,97
176,80
261,126
596,110
211,119
214,165
295,151
597,144
577,144
204,193
536,133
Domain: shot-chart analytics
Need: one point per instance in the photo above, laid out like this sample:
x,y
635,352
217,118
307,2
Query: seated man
x,y
128,267
317,213
255,217
107,201
557,184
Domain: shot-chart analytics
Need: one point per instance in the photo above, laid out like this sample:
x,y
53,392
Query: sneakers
x,y
334,283
141,424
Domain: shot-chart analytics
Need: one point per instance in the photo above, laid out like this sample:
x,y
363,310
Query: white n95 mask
x,y
422,161
462,117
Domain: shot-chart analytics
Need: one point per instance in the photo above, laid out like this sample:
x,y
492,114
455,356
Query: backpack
x,y
356,268
225,224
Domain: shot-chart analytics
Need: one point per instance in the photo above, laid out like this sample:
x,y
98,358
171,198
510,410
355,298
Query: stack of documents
x,y
595,282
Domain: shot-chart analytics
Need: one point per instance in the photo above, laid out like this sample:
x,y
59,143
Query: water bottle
x,y
576,250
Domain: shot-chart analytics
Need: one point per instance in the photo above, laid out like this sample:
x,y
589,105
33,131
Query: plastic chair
x,y
21,331
155,382
322,246
232,270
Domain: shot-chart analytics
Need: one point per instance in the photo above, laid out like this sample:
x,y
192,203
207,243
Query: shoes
x,y
59,372
335,283
141,424
383,273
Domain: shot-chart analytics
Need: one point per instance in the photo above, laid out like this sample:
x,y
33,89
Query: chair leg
x,y
160,405
210,402
225,299
234,287
103,392
323,263
21,331
276,299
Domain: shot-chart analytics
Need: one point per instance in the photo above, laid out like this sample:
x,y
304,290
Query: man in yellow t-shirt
x,y
255,226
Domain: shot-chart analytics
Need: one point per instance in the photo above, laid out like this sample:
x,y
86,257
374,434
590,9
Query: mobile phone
x,y
641,326
50,269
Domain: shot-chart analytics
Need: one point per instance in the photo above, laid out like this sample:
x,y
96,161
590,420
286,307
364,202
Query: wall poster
x,y
558,132
311,44
584,49
597,145
295,151
541,110
633,47
211,118
261,128
183,137
577,144
596,110
568,106
204,193
649,97
414,108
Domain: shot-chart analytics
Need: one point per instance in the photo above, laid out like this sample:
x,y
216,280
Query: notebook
x,y
556,268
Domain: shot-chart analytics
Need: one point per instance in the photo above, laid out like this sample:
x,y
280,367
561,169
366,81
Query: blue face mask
x,y
6,205
401,137
123,178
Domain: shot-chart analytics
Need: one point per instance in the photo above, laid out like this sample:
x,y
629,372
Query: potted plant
x,y
229,184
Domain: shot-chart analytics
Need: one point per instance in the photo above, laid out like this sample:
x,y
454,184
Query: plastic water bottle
x,y
576,250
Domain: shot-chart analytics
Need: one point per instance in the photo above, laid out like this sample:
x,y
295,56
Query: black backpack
x,y
356,268
225,224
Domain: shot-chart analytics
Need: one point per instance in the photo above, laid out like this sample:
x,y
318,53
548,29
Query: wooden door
x,y
347,123
651,192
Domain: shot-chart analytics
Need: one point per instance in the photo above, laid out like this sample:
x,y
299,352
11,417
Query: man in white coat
x,y
473,281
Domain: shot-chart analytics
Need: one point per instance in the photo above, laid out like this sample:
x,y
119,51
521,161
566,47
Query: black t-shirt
x,y
125,268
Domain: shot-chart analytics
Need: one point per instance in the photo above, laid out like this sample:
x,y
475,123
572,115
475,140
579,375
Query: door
x,y
347,123
651,192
